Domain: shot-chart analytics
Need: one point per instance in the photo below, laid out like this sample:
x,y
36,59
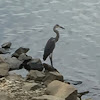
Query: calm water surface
x,y
29,23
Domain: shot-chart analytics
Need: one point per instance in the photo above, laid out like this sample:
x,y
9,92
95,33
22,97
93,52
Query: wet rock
x,y
19,51
49,67
34,64
51,76
13,62
62,90
88,99
24,57
30,86
4,69
35,75
73,82
79,95
3,51
6,45
47,97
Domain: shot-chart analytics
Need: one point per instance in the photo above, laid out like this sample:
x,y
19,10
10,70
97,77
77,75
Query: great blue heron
x,y
50,45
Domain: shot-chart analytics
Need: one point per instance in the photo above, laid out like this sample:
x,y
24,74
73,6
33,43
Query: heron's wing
x,y
49,48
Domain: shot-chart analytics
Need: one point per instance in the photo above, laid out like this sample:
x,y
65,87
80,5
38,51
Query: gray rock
x,y
24,57
30,86
47,97
13,62
35,75
3,51
6,45
51,76
4,69
34,64
19,51
62,90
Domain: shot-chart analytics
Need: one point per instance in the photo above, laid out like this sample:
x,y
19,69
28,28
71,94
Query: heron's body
x,y
49,48
50,45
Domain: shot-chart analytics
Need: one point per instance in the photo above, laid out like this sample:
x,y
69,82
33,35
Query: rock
x,y
13,62
88,99
4,69
14,77
30,86
78,98
24,57
3,96
1,60
3,51
73,82
47,97
79,95
19,51
35,75
62,90
21,72
51,76
34,64
6,45
49,67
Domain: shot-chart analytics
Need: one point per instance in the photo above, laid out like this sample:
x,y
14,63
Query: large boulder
x,y
47,97
4,69
62,90
51,76
34,64
35,75
13,62
19,51
6,45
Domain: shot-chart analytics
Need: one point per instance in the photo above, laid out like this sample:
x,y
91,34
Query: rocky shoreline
x,y
41,83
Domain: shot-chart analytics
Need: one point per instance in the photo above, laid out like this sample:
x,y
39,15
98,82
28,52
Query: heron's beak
x,y
62,27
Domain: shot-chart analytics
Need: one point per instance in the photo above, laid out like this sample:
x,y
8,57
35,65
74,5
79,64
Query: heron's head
x,y
58,26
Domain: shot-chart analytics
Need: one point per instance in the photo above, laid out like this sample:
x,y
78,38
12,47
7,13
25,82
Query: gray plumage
x,y
50,45
49,48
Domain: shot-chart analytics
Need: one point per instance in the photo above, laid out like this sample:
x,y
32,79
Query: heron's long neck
x,y
57,34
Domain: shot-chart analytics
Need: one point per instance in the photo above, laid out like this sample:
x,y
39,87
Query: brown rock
x,y
4,69
47,97
51,76
1,60
3,96
35,75
62,90
15,77
30,86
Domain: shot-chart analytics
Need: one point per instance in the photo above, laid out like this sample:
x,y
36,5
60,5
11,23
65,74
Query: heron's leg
x,y
51,59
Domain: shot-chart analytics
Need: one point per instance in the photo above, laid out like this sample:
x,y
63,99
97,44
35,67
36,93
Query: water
x,y
29,23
